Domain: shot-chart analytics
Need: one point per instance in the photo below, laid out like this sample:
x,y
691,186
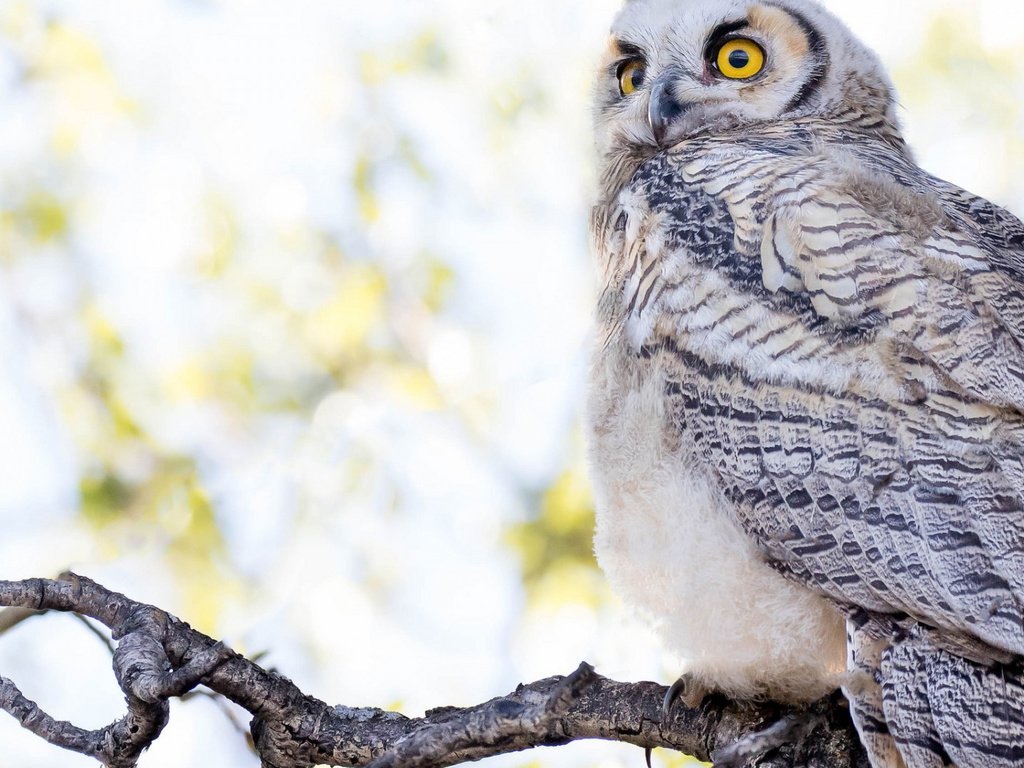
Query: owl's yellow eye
x,y
631,76
740,59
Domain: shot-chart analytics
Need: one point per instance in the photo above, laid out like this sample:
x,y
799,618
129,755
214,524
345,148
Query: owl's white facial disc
x,y
675,68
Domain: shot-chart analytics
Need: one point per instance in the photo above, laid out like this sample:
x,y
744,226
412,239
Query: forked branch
x,y
158,656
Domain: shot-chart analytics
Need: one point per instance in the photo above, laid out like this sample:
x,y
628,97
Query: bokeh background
x,y
294,302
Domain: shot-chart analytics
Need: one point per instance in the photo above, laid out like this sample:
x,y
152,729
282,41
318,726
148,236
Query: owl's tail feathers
x,y
863,689
970,712
937,708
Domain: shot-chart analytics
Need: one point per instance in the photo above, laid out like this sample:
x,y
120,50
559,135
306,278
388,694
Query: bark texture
x,y
157,657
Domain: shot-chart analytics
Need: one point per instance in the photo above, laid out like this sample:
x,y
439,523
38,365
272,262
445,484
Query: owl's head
x,y
676,68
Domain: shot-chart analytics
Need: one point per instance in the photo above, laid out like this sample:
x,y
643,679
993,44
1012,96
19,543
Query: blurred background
x,y
294,304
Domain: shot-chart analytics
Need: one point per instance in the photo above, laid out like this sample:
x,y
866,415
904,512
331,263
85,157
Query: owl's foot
x,y
791,729
686,690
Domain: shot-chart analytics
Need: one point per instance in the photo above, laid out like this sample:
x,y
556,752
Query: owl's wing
x,y
869,252
900,490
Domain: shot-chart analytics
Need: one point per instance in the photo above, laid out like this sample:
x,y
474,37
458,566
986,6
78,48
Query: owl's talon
x,y
686,690
674,692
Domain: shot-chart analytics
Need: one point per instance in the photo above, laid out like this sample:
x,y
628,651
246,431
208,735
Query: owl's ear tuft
x,y
776,24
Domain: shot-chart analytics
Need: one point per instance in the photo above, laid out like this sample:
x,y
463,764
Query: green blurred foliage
x,y
953,60
361,328
555,547
136,493
973,86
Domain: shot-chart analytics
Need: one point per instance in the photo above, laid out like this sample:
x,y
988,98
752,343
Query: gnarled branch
x,y
158,656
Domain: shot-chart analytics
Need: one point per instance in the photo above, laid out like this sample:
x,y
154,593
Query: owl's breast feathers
x,y
838,336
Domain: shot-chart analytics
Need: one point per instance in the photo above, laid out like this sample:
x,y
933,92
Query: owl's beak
x,y
663,108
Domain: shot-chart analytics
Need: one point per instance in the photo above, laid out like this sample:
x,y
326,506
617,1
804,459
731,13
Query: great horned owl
x,y
806,406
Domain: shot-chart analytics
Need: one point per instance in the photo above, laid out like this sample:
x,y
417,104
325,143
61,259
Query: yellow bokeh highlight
x,y
103,336
45,216
670,759
342,325
189,381
362,183
224,372
556,548
567,505
66,49
566,582
415,385
423,52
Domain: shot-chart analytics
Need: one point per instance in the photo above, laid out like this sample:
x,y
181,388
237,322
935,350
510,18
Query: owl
x,y
806,397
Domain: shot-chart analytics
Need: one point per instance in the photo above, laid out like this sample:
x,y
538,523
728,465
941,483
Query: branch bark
x,y
158,657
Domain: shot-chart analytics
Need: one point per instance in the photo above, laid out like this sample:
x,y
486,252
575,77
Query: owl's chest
x,y
668,541
649,477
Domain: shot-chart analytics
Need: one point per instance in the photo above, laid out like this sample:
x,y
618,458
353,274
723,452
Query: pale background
x,y
293,322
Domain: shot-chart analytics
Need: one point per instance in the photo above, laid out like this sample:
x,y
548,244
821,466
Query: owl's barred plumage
x,y
807,397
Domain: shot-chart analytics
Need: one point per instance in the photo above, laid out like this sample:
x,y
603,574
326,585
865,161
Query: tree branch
x,y
158,656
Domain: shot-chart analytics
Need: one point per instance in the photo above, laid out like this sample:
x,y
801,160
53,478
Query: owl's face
x,y
675,68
